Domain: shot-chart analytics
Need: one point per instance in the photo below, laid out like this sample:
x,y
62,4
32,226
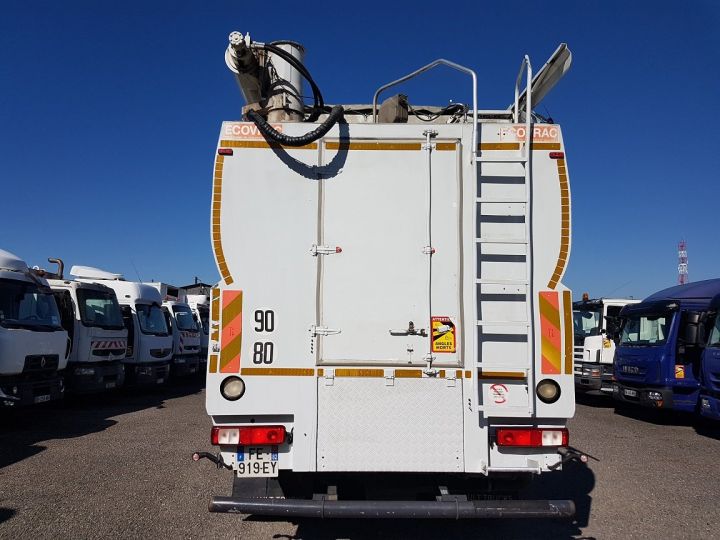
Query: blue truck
x,y
658,361
710,374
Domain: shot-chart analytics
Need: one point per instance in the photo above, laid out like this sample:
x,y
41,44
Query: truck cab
x,y
34,346
149,342
186,337
596,325
91,315
200,306
658,359
710,370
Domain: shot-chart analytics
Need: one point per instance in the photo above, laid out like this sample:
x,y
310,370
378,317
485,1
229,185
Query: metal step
x,y
503,323
499,159
502,281
500,200
486,240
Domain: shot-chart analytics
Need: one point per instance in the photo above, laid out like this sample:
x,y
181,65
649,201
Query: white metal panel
x,y
376,210
269,223
416,425
504,398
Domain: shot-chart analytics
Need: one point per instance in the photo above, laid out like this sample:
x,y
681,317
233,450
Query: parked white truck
x,y
391,336
34,347
91,315
186,338
149,343
596,327
200,306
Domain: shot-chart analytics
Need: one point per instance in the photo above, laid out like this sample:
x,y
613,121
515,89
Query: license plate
x,y
629,392
110,385
160,381
257,461
41,399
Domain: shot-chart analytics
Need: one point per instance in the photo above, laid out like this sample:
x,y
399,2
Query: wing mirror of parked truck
x,y
614,327
692,329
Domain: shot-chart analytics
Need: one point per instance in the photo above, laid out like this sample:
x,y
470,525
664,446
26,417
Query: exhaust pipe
x,y
60,266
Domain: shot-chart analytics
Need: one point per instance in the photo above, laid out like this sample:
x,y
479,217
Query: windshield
x,y
586,322
646,329
151,319
184,318
715,333
25,305
99,308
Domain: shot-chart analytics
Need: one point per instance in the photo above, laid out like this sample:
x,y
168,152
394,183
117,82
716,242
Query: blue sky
x,y
109,115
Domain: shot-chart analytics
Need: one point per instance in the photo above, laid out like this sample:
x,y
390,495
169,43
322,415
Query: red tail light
x,y
225,151
557,155
532,437
244,435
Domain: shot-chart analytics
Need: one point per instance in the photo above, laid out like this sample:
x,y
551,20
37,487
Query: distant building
x,y
197,288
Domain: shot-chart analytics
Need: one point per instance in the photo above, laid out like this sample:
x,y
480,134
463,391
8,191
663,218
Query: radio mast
x,y
682,263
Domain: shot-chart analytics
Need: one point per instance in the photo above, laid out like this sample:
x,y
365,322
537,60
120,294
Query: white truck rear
x,y
391,311
34,347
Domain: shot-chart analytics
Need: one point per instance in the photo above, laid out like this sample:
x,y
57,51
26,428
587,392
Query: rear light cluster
x,y
244,435
532,437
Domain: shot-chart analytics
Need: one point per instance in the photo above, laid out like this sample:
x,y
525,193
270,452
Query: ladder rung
x,y
502,281
500,200
498,159
504,323
486,240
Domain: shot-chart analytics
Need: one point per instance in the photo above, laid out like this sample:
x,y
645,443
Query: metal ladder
x,y
503,228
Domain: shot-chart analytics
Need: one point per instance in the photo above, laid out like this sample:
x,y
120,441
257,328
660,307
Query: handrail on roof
x,y
439,61
526,68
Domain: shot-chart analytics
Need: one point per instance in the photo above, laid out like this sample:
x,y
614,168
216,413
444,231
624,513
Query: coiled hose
x,y
286,140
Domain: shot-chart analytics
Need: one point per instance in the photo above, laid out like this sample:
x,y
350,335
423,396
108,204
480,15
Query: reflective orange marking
x,y
231,331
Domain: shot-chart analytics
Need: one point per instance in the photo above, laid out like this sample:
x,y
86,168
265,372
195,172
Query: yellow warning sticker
x,y
443,335
679,371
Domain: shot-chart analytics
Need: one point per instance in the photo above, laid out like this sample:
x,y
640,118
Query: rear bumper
x,y
86,378
458,509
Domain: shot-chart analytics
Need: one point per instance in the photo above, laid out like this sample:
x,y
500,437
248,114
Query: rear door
x,y
375,299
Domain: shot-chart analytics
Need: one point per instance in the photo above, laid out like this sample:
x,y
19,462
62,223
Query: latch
x,y
429,370
389,377
323,331
410,331
450,377
316,250
329,375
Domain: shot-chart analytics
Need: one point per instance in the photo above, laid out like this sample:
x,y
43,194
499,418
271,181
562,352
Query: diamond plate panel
x,y
415,425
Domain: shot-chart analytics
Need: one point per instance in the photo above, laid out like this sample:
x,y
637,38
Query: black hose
x,y
294,62
286,140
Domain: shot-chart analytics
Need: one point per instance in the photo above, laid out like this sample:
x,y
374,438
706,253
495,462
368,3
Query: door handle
x,y
410,331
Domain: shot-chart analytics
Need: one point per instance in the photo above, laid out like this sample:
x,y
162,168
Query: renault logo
x,y
43,362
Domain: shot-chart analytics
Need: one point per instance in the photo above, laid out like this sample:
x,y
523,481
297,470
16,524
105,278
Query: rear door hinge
x,y
323,330
316,250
